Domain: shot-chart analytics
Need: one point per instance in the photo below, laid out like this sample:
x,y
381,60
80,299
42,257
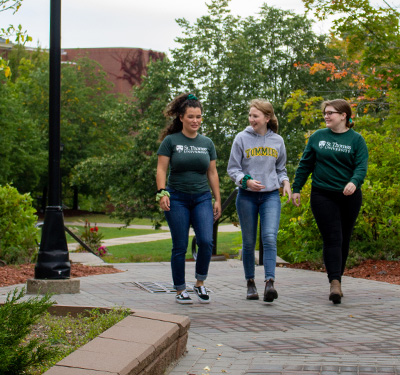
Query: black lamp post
x,y
53,260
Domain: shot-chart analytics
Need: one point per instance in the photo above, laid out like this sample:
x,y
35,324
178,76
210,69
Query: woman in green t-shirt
x,y
337,157
186,198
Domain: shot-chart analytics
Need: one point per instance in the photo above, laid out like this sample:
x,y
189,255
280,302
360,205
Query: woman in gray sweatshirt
x,y
257,164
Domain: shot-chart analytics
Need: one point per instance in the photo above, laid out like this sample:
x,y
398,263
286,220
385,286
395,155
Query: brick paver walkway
x,y
300,333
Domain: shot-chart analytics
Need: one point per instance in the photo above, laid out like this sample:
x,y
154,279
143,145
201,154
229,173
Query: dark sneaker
x,y
202,294
270,293
251,289
183,298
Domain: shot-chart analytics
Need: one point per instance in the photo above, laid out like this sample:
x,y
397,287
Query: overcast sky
x,y
148,24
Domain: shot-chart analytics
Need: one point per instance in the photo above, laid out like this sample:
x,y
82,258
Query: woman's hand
x,y
164,203
217,210
254,185
349,189
296,199
287,190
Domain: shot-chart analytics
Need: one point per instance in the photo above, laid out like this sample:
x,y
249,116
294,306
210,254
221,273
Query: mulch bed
x,y
10,275
378,270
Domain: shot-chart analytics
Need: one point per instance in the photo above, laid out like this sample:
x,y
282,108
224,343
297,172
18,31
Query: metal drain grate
x,y
160,287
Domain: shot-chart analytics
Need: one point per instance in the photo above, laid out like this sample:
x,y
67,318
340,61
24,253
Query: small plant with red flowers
x,y
92,238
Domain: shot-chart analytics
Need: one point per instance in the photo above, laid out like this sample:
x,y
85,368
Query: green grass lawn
x,y
112,232
99,218
160,251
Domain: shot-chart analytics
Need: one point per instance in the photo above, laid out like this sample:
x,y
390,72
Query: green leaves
x,y
17,226
16,319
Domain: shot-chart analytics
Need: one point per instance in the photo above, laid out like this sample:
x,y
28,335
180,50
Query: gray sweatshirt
x,y
261,157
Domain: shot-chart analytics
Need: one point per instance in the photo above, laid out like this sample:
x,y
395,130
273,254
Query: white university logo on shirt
x,y
191,149
334,146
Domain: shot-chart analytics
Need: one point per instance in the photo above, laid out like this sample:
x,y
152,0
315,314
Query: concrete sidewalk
x,y
300,333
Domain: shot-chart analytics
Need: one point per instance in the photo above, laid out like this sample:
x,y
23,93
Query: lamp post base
x,y
68,286
53,258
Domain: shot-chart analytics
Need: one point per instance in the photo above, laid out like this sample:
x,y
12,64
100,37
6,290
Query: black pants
x,y
335,214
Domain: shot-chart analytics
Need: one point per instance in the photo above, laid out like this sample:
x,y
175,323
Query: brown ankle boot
x,y
335,292
270,293
251,289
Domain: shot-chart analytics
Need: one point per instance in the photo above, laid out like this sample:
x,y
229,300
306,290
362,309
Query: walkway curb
x,y
144,343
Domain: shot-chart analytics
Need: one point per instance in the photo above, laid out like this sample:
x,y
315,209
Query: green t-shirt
x,y
189,161
334,159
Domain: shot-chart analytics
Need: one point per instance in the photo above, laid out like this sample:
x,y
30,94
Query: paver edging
x,y
144,343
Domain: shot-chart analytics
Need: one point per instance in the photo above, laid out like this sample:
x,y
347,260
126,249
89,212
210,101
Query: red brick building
x,y
124,66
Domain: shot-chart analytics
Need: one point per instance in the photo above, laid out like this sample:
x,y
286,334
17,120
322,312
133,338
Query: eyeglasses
x,y
329,113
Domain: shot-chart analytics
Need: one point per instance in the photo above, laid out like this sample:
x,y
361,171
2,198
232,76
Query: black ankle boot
x,y
270,293
251,289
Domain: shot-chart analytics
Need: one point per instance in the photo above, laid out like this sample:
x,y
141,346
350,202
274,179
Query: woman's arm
x,y
161,179
213,179
235,163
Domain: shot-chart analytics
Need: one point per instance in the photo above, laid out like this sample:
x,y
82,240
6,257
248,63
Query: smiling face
x,y
258,121
191,122
335,120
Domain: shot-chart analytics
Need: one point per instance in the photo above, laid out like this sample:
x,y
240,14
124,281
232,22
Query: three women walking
x,y
336,156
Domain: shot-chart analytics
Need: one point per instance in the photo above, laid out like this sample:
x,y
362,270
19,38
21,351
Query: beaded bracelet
x,y
164,193
244,181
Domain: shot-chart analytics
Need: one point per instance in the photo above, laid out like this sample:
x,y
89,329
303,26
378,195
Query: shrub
x,y
377,231
299,239
16,320
17,226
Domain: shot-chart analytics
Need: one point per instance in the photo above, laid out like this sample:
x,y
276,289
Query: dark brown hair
x,y
268,110
176,109
342,106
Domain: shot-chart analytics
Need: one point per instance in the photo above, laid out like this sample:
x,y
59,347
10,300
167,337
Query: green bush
x,y
17,226
377,231
16,320
299,239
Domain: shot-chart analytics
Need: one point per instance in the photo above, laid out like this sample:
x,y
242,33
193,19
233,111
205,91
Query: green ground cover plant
x,y
68,333
160,251
32,340
16,320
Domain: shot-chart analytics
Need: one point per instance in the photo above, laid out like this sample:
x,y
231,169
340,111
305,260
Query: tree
x,y
372,79
22,156
20,35
126,177
372,33
89,119
229,60
226,61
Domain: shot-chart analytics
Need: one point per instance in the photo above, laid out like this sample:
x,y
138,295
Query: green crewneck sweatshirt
x,y
334,159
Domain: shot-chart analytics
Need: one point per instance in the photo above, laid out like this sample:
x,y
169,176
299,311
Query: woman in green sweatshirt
x,y
337,157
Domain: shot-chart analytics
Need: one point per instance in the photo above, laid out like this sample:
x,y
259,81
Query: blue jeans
x,y
268,205
186,210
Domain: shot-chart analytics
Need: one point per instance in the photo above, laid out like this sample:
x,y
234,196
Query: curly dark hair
x,y
176,109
